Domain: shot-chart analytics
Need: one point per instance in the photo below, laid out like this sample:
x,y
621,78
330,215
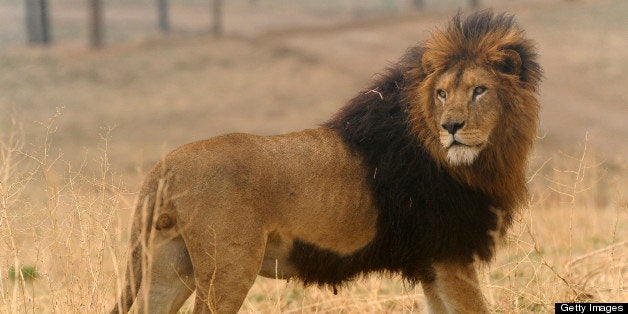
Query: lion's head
x,y
466,110
465,98
475,90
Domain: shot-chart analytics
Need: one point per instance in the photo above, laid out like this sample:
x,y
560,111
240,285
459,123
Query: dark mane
x,y
427,213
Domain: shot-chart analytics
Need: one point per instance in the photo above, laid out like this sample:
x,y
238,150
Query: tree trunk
x,y
164,19
217,17
96,20
37,21
33,30
45,22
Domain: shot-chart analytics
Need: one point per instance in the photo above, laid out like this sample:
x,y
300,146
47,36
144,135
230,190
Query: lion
x,y
418,175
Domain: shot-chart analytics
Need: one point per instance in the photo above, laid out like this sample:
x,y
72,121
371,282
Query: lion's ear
x,y
508,62
428,68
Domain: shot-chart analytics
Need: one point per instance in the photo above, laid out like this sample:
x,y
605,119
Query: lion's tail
x,y
140,235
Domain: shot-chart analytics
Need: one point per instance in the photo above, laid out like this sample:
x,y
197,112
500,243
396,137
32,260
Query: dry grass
x,y
62,221
69,223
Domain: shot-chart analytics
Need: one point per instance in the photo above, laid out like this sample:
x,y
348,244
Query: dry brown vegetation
x,y
78,129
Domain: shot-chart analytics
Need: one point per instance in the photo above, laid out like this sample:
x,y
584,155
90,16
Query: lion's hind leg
x,y
227,257
455,289
169,280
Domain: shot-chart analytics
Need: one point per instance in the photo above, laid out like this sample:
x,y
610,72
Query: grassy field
x,y
79,129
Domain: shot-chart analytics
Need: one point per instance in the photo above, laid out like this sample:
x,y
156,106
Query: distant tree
x,y
33,31
217,17
164,20
418,4
475,4
95,24
37,21
45,22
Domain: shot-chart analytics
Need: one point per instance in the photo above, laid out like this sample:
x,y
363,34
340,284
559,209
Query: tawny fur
x,y
352,197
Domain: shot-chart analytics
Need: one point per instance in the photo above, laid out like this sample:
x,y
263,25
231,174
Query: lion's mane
x,y
428,210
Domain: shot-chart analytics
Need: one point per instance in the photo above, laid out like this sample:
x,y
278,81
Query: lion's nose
x,y
452,126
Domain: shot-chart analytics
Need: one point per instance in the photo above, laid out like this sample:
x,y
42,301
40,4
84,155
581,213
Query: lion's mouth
x,y
450,142
460,144
456,143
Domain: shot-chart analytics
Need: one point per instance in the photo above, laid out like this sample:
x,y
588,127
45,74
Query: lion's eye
x,y
479,90
441,94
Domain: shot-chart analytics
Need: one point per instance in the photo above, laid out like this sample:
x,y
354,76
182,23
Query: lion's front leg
x,y
455,289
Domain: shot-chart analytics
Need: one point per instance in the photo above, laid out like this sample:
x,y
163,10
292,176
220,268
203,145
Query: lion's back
x,y
309,182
